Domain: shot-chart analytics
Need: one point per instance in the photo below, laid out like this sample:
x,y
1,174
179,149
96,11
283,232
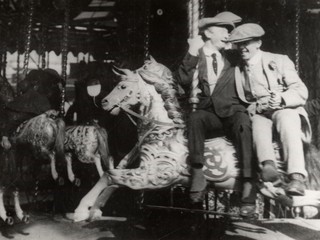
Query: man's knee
x,y
287,117
241,122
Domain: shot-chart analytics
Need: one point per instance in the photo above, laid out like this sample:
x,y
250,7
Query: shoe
x,y
296,186
249,191
198,185
248,210
269,172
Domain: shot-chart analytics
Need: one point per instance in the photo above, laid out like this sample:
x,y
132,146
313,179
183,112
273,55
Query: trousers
x,y
287,124
204,124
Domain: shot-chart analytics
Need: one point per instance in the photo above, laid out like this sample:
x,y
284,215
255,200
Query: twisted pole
x,y
64,54
194,14
147,31
28,38
297,35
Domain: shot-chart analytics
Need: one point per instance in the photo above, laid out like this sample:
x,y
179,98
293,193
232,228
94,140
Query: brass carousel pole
x,y
28,39
64,53
297,35
43,43
147,31
194,7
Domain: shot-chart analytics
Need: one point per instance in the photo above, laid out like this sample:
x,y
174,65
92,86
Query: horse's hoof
x,y
70,216
77,182
310,212
26,219
95,215
9,221
81,216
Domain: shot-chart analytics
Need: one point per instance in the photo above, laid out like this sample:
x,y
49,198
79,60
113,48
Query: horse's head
x,y
126,94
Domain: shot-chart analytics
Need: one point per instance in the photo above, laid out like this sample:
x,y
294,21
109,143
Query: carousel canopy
x,y
91,24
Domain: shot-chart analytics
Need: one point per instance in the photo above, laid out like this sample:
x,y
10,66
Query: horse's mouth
x,y
114,110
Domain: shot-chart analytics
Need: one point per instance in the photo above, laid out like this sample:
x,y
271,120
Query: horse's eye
x,y
123,86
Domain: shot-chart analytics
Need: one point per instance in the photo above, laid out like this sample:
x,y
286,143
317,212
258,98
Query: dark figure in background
x,y
88,108
38,92
220,110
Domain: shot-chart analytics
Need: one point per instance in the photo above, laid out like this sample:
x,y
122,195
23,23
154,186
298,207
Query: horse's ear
x,y
152,59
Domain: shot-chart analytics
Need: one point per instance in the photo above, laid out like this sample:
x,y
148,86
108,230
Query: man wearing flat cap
x,y
219,109
276,94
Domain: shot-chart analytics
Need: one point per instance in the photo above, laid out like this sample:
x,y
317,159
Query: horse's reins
x,y
127,110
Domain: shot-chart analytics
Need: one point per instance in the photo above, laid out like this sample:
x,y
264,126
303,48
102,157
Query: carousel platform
x,y
173,227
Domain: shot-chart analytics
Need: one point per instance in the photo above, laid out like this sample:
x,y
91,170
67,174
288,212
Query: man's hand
x,y
5,143
195,44
275,101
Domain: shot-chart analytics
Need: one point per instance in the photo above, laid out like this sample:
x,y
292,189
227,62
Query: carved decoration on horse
x,y
162,143
89,144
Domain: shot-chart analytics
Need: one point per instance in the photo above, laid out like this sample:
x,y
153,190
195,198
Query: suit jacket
x,y
224,100
279,69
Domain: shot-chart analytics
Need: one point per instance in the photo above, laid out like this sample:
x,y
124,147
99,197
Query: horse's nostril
x,y
104,101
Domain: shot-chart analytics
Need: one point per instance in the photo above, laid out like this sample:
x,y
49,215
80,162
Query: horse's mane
x,y
161,77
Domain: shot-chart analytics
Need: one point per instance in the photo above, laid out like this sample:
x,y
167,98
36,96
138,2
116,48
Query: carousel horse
x,y
163,148
39,135
89,144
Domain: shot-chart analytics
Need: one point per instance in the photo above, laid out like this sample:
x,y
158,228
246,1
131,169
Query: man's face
x,y
248,49
217,36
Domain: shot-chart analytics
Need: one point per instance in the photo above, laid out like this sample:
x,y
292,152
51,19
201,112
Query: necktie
x,y
214,63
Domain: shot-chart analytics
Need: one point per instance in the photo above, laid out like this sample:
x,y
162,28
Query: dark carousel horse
x,y
33,128
163,148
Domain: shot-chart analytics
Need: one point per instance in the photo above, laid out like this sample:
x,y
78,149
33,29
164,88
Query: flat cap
x,y
246,32
214,21
229,17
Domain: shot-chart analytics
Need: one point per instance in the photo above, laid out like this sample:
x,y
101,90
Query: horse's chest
x,y
82,141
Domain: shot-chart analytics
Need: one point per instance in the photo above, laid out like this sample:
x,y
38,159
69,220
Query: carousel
x,y
93,123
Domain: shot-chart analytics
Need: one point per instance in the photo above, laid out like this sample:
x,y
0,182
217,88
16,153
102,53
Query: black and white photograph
x,y
159,119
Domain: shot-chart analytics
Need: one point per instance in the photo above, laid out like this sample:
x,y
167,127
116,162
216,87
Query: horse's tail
x,y
312,166
103,147
59,142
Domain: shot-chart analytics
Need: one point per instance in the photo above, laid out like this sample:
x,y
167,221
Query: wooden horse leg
x,y
71,175
3,212
54,172
82,211
95,212
97,162
17,207
139,178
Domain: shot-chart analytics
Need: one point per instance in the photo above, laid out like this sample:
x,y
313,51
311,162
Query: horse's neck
x,y
154,109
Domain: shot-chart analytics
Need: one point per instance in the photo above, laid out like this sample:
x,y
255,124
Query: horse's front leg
x,y
71,175
54,172
95,212
3,212
82,211
17,207
97,162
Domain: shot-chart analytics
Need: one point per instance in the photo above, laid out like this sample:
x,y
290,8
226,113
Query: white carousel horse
x,y
162,143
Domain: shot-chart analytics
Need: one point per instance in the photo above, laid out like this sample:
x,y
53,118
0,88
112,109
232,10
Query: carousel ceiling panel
x,y
102,3
92,15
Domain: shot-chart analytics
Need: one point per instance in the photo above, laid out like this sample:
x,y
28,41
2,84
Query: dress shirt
x,y
257,85
212,76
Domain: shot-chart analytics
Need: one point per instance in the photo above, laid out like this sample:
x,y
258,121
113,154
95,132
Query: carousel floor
x,y
48,227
